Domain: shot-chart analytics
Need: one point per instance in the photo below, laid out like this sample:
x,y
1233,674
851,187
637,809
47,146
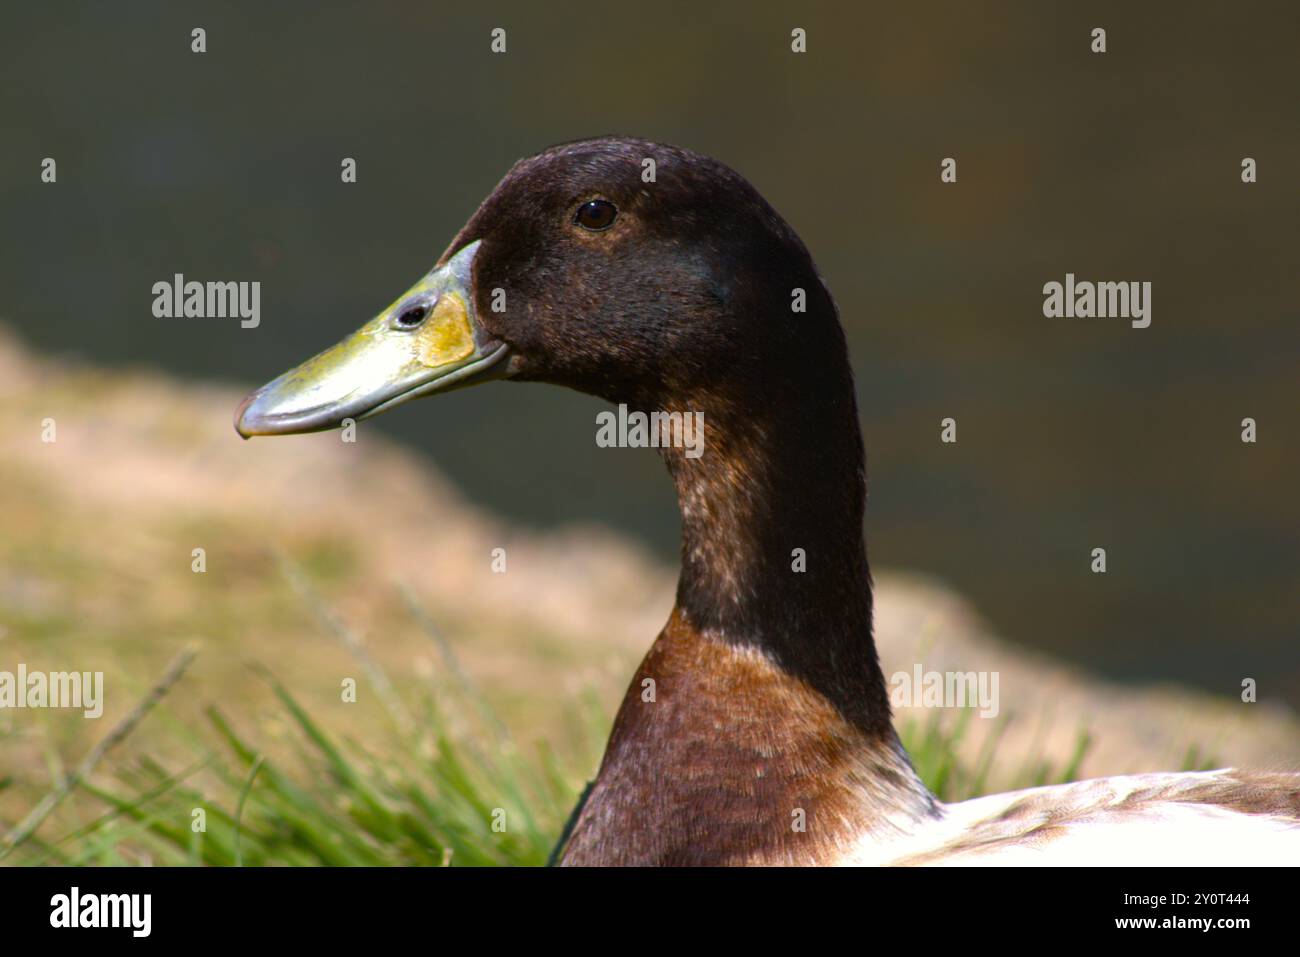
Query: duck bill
x,y
385,362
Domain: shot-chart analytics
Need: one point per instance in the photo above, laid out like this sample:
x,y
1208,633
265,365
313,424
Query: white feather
x,y
1090,823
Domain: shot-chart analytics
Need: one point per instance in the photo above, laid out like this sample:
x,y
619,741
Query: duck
x,y
757,729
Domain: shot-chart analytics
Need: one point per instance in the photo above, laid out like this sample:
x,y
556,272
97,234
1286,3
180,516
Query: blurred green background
x,y
1072,434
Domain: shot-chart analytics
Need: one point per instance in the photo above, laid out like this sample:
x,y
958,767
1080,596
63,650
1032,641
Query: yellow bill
x,y
427,341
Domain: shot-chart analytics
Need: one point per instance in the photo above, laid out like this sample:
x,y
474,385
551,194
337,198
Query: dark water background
x,y
1072,434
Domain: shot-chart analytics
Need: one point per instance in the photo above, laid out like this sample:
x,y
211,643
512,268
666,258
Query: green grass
x,y
934,744
443,784
429,804
424,798
423,795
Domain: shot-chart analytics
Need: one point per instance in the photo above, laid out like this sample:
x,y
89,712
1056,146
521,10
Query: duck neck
x,y
773,556
757,729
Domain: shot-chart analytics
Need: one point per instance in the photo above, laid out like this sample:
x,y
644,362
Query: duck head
x,y
658,278
634,271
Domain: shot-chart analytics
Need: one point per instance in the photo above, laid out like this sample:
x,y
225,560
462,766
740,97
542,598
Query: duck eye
x,y
412,316
596,214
